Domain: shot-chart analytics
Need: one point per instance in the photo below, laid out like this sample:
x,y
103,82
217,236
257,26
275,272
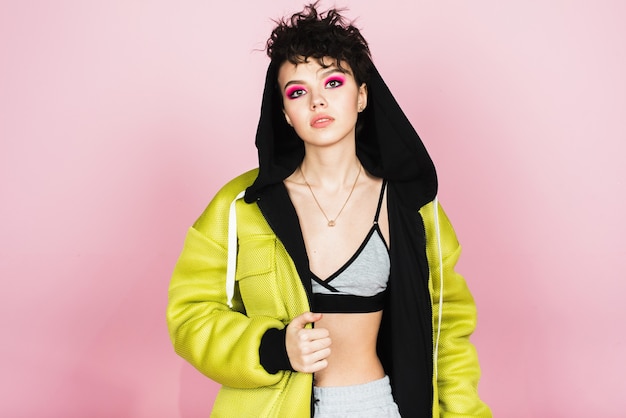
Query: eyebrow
x,y
324,74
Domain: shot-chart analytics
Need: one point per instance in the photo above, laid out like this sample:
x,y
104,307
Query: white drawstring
x,y
437,232
231,266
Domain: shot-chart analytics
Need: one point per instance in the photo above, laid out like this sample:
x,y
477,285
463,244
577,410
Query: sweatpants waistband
x,y
364,400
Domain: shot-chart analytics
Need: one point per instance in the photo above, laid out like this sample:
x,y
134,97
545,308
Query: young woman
x,y
322,283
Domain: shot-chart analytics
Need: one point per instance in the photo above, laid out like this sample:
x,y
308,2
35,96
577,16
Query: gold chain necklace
x,y
331,222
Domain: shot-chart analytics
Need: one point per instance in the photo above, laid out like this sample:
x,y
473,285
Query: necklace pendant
x,y
331,223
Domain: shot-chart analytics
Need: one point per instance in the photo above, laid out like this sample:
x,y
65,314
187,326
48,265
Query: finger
x,y
302,320
315,346
318,356
314,368
316,333
316,361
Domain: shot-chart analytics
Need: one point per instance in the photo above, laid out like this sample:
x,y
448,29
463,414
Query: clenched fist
x,y
307,348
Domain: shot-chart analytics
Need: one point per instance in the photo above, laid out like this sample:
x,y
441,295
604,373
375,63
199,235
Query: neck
x,y
330,169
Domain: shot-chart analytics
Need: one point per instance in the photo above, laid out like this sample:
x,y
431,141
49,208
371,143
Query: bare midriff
x,y
353,359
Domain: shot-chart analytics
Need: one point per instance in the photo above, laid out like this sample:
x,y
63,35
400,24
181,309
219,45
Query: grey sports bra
x,y
359,285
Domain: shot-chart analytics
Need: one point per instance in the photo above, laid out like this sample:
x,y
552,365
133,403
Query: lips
x,y
321,121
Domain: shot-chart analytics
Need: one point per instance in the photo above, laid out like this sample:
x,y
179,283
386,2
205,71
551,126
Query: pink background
x,y
120,119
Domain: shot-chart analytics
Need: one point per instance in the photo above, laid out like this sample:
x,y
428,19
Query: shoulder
x,y
240,183
412,194
218,208
438,227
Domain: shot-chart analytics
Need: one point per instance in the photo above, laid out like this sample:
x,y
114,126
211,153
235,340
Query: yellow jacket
x,y
223,342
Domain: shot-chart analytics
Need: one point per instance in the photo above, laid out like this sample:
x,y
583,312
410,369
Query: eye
x,y
334,82
295,92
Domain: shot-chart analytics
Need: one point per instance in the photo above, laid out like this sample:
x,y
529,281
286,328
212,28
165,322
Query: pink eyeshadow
x,y
290,91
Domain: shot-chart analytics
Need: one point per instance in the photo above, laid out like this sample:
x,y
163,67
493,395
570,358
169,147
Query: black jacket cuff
x,y
273,351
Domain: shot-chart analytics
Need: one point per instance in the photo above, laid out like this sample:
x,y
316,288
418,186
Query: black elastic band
x,y
325,303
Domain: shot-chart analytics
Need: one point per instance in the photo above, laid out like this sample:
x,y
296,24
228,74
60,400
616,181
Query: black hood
x,y
386,144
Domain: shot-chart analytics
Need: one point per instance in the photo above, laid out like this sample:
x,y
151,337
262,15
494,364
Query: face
x,y
322,104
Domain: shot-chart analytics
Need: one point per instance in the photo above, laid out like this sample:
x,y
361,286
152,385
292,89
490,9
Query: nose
x,y
317,100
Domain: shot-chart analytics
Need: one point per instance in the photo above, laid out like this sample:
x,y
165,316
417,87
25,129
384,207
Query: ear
x,y
362,97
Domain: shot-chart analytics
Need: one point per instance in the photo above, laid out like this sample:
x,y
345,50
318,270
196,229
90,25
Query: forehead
x,y
312,68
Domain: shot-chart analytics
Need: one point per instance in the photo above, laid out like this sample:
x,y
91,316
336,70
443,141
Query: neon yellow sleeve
x,y
457,368
220,342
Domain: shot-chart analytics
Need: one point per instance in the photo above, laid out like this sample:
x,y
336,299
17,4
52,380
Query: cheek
x,y
288,115
292,112
350,104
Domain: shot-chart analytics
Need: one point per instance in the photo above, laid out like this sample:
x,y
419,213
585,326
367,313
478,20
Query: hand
x,y
307,348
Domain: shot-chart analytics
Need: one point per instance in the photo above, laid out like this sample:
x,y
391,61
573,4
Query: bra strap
x,y
380,200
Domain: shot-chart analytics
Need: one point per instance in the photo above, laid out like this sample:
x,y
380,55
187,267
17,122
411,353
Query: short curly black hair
x,y
312,34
